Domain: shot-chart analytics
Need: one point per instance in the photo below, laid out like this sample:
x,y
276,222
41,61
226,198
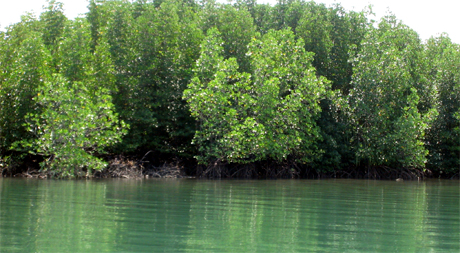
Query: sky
x,y
427,18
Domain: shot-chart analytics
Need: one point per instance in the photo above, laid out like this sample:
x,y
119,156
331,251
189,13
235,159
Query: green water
x,y
229,216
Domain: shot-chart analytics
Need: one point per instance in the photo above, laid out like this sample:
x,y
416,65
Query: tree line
x,y
239,89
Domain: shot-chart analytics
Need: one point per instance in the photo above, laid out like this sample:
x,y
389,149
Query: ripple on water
x,y
229,216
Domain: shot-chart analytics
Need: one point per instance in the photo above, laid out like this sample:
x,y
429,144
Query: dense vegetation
x,y
228,90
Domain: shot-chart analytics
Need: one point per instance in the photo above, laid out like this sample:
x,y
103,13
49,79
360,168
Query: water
x,y
229,216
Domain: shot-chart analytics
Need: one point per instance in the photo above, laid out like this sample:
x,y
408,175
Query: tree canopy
x,y
292,88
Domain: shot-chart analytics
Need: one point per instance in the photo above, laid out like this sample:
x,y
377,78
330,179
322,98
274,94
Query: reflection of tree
x,y
57,216
310,216
154,214
250,216
233,216
442,219
369,217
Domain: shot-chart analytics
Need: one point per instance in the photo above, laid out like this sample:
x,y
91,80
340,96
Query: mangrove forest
x,y
226,90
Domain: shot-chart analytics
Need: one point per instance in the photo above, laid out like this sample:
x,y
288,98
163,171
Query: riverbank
x,y
118,167
132,168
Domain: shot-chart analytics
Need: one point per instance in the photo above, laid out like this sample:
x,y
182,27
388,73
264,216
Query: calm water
x,y
229,216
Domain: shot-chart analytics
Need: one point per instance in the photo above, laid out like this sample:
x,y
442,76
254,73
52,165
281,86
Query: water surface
x,y
229,216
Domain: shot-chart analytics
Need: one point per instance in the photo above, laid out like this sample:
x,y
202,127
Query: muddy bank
x,y
272,170
132,168
118,167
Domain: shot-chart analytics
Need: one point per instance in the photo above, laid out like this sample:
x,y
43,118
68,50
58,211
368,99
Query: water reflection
x,y
229,216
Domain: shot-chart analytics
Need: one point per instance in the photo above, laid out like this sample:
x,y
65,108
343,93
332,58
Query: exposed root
x,y
166,171
285,170
34,174
245,171
384,173
216,170
121,168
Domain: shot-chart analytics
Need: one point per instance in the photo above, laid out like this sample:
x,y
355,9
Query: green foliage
x,y
390,128
75,123
268,114
334,35
289,95
242,96
315,29
54,22
160,51
218,99
443,138
94,18
25,66
64,121
263,18
236,27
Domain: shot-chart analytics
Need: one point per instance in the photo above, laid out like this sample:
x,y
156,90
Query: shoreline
x,y
128,168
